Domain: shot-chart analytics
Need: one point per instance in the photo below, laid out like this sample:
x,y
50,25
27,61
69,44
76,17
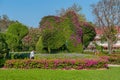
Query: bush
x,y
2,61
114,59
39,45
72,47
57,64
19,55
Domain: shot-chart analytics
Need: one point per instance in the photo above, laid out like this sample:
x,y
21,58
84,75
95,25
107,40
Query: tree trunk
x,y
49,50
110,46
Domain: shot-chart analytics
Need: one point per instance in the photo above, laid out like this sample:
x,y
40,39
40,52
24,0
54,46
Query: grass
x,y
37,74
64,56
23,55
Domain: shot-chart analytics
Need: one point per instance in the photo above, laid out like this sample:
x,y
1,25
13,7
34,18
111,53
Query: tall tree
x,y
30,40
53,32
19,30
76,8
107,14
4,22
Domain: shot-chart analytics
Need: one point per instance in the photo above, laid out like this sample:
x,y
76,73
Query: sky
x,y
30,12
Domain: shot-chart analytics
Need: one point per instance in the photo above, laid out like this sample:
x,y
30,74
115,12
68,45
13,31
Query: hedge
x,y
57,63
19,55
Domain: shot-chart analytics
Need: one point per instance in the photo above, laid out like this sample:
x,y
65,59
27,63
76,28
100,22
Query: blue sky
x,y
30,12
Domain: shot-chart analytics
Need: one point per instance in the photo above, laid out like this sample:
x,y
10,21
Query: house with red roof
x,y
97,39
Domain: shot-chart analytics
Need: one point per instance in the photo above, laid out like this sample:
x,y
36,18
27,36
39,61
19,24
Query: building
x,y
97,40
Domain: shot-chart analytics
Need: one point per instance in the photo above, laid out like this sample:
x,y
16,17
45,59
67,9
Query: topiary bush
x,y
39,45
74,47
19,55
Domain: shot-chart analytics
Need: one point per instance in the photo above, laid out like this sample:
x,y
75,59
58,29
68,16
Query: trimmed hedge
x,y
57,63
20,55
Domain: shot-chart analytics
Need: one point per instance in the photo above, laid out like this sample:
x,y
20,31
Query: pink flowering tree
x,y
30,40
65,32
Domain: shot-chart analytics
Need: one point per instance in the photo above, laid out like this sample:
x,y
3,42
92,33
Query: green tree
x,y
65,32
57,31
3,49
52,32
39,45
19,30
12,41
88,33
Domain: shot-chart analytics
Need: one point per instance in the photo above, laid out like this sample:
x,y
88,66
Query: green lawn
x,y
37,74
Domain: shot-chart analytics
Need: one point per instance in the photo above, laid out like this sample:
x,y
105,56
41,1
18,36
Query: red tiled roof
x,y
99,31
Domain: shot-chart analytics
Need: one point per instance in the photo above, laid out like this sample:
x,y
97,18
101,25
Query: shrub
x,y
39,45
74,47
18,55
58,63
114,59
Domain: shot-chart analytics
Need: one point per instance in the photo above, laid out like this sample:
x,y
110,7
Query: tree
x,y
107,14
75,8
88,33
52,32
39,45
64,31
12,41
75,38
30,40
19,30
4,23
3,49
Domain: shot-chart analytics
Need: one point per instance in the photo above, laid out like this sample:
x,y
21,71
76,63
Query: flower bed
x,y
57,64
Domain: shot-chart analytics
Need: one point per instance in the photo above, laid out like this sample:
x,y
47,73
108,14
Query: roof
x,y
99,30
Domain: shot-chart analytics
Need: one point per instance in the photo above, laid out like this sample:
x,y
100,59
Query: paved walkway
x,y
113,65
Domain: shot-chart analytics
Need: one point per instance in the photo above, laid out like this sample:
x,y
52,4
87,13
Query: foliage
x,y
19,55
106,14
57,64
88,33
114,59
53,32
65,32
39,45
74,42
76,8
30,40
3,49
19,30
12,41
74,46
4,23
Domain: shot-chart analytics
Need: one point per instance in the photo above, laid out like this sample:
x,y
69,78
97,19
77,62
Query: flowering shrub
x,y
57,63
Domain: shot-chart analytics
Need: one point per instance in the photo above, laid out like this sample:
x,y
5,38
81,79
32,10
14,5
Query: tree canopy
x,y
65,32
